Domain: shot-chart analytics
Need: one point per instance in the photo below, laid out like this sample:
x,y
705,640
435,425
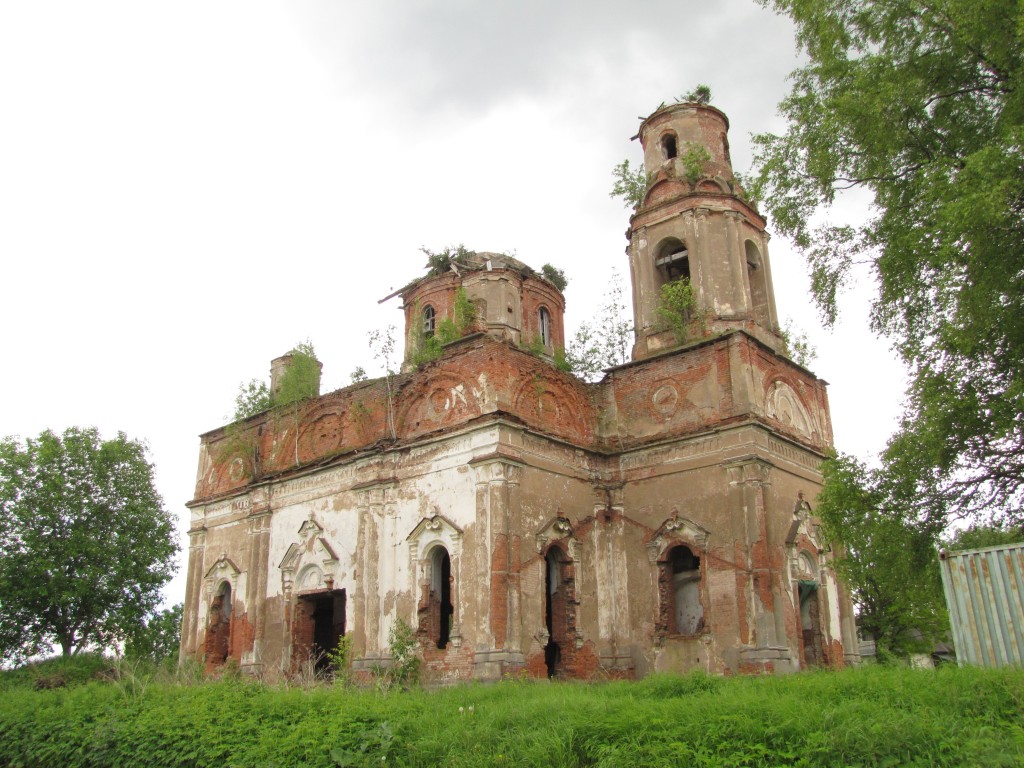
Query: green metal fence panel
x,y
984,591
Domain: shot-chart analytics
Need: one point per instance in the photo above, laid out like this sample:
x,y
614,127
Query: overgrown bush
x,y
59,672
694,158
677,307
555,276
867,717
462,322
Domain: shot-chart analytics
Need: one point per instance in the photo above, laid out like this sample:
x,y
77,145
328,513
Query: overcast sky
x,y
189,189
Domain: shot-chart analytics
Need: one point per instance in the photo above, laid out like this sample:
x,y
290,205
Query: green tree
x,y
889,560
699,95
919,105
383,346
300,380
85,542
979,536
603,343
630,184
252,398
157,637
798,346
555,276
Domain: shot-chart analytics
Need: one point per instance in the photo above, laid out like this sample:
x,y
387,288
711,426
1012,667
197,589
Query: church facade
x,y
521,520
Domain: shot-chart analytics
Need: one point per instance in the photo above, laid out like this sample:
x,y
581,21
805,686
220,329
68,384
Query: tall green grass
x,y
869,717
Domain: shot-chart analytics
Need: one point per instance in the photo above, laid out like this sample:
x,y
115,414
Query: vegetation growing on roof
x,y
699,95
630,184
555,276
299,381
439,262
605,342
462,322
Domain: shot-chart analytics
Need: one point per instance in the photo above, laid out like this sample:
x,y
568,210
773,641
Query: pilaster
x,y
749,479
190,643
258,525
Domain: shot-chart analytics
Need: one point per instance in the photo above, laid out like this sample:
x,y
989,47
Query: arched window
x,y
758,284
668,146
672,258
682,609
544,324
429,321
440,597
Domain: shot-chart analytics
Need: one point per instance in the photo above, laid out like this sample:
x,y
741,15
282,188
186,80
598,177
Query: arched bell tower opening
x,y
672,259
695,222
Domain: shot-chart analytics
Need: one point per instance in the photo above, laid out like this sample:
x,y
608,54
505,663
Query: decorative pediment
x,y
320,550
436,525
311,556
676,529
805,545
223,568
435,528
804,524
291,557
309,529
557,528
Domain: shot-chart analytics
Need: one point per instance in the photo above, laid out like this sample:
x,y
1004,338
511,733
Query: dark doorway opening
x,y
554,610
326,617
218,633
442,589
810,624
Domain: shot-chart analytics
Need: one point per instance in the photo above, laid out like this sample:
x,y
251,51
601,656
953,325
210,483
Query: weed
x,y
404,670
676,307
340,659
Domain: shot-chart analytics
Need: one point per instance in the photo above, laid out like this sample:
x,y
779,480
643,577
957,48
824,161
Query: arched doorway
x,y
440,597
218,632
556,601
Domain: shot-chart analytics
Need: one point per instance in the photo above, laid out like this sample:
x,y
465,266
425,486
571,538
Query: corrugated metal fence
x,y
984,592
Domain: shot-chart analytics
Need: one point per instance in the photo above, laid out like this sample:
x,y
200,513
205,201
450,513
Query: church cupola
x,y
509,301
695,224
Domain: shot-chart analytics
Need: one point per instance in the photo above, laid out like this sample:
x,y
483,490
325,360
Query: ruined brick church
x,y
523,521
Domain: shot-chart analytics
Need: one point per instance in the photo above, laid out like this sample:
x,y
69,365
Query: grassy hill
x,y
876,716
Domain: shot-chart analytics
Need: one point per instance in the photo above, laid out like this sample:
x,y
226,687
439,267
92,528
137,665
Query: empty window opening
x,y
544,321
672,260
668,146
725,149
554,610
758,284
442,610
687,610
429,321
218,633
319,625
810,623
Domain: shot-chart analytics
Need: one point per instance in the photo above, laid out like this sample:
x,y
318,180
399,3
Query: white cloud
x,y
189,189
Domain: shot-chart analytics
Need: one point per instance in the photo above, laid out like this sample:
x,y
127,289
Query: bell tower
x,y
695,223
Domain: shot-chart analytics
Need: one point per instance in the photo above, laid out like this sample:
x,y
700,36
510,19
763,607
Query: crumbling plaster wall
x,y
503,447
